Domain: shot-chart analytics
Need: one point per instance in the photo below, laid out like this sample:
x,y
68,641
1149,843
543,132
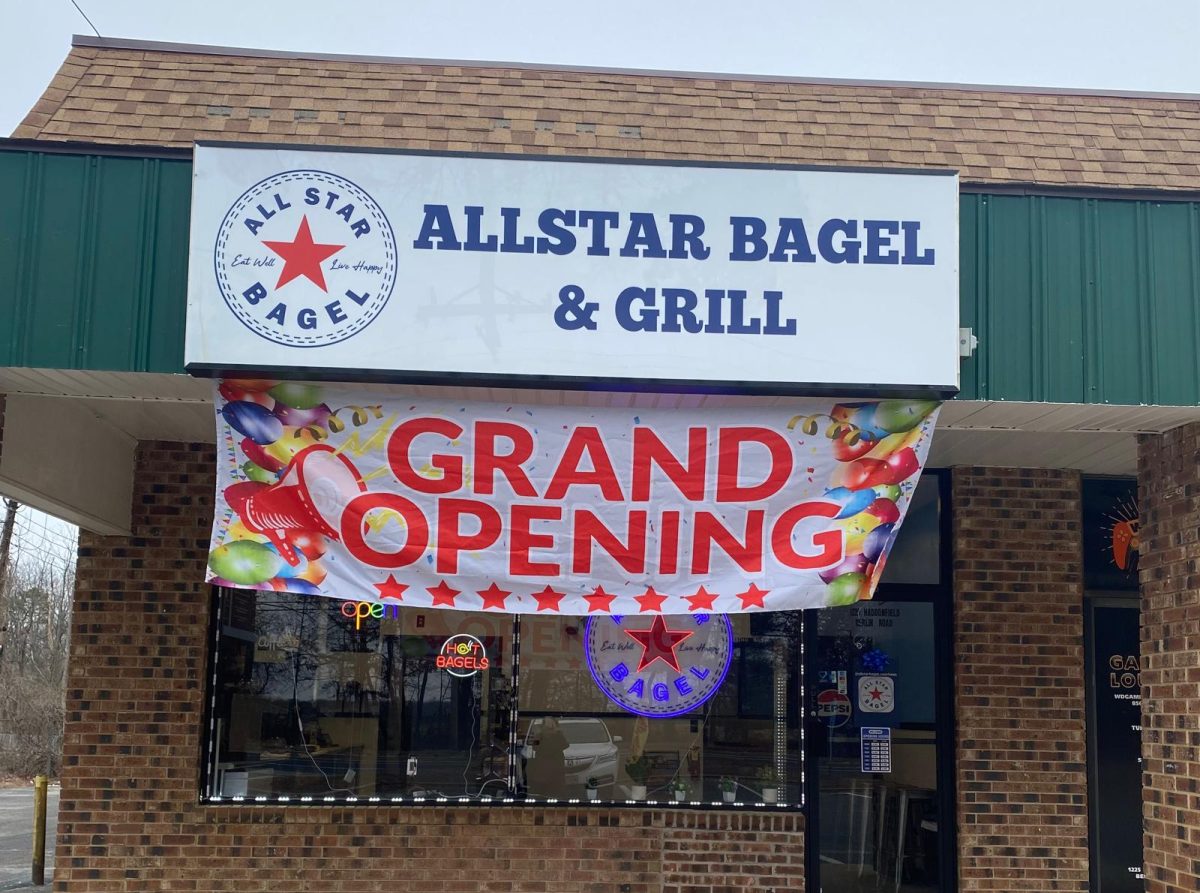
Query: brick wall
x,y
1169,484
1020,709
130,819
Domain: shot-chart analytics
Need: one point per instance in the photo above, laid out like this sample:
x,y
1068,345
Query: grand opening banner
x,y
419,267
361,493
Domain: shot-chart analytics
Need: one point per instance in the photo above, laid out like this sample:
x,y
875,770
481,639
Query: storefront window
x,y
315,699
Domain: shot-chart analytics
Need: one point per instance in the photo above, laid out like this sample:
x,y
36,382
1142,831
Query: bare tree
x,y
38,590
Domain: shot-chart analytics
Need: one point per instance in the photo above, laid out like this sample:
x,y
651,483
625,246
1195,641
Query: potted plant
x,y
593,787
728,788
769,779
638,771
679,789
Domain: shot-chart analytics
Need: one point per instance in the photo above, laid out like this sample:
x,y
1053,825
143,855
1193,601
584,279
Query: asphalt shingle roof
x,y
128,92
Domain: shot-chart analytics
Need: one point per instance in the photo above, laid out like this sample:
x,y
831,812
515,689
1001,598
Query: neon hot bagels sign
x,y
659,666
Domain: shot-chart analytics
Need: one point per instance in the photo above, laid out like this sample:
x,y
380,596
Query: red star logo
x,y
493,597
548,599
651,601
658,643
702,600
391,588
753,597
442,594
875,693
599,600
302,257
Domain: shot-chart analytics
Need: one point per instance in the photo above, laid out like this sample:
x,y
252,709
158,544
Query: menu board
x,y
1115,747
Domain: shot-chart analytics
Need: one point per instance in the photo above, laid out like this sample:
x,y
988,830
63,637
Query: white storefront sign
x,y
422,267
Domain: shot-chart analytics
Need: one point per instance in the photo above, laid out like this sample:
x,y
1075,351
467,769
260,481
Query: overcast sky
x,y
1106,44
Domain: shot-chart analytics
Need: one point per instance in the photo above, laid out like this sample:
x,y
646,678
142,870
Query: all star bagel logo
x,y
659,666
305,258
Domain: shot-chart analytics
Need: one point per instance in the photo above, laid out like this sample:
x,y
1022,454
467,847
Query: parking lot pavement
x,y
16,835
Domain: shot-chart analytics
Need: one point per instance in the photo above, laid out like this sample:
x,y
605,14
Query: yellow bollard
x,y
39,830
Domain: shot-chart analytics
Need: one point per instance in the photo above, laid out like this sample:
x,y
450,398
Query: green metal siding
x,y
1074,300
93,261
1081,300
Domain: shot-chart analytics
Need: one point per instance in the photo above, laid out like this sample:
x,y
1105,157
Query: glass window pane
x,y
916,556
318,698
575,735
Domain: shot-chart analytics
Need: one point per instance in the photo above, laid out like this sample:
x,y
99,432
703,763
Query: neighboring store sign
x,y
421,266
1111,533
659,666
1115,747
368,495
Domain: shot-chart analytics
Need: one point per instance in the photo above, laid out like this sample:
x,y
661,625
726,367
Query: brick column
x,y
1168,485
1019,679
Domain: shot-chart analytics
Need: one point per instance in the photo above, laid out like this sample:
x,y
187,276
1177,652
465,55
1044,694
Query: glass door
x,y
878,727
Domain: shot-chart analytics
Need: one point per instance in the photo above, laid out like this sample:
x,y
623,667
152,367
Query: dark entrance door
x,y
879,729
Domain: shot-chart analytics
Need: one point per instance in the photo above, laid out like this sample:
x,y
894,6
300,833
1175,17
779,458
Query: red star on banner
x,y
650,601
548,599
658,643
493,597
302,257
391,588
875,693
753,597
600,600
702,600
442,594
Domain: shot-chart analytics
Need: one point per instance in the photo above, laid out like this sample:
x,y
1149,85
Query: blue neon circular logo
x,y
659,666
305,258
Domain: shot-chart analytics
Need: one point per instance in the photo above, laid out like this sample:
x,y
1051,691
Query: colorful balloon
x,y
856,530
239,531
298,418
315,574
851,501
877,541
860,473
883,509
902,465
260,457
902,415
252,384
252,420
311,544
233,395
844,451
852,564
297,395
887,491
244,562
847,589
287,571
258,473
290,442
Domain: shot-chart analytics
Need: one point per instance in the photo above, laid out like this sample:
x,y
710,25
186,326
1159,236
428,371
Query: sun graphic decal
x,y
1121,534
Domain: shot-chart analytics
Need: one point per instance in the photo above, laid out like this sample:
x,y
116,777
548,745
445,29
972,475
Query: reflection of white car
x,y
591,751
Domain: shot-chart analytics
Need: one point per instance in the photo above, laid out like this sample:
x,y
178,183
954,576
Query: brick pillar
x,y
1168,485
1019,679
